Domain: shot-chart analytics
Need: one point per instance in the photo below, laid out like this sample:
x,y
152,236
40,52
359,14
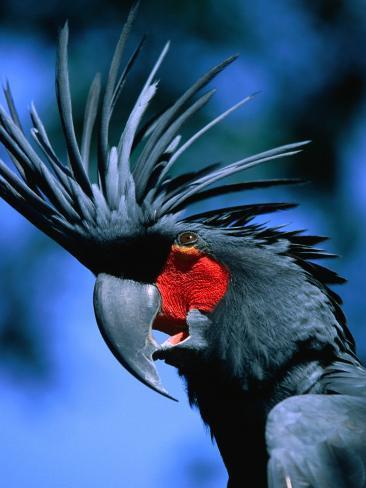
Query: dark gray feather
x,y
91,110
109,98
65,109
166,118
317,441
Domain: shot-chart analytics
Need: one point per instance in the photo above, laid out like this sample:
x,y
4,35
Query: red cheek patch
x,y
189,280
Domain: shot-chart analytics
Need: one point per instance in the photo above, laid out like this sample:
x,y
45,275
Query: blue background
x,y
70,415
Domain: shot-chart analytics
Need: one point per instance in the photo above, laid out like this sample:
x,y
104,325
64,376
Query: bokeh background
x,y
70,415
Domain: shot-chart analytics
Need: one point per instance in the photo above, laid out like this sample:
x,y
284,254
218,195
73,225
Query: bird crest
x,y
134,186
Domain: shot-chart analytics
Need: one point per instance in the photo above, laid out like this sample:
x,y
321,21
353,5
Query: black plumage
x,y
272,367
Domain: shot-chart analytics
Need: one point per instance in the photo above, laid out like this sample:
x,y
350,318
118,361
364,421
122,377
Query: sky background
x,y
70,415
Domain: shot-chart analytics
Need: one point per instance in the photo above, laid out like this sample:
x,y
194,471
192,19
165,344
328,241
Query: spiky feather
x,y
61,199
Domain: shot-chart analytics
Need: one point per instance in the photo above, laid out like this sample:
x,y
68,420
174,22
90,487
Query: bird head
x,y
157,264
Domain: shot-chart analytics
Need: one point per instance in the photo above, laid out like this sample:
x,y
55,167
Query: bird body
x,y
267,358
255,330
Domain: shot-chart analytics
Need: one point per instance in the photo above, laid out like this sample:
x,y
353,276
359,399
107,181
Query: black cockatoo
x,y
254,329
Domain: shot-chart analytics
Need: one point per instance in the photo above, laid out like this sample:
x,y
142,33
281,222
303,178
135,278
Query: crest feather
x,y
60,197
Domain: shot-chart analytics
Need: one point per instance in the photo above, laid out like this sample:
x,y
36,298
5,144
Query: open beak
x,y
125,311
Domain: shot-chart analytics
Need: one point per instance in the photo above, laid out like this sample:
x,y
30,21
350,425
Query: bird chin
x,y
180,354
186,346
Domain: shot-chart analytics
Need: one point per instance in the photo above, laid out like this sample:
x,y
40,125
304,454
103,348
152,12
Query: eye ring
x,y
187,238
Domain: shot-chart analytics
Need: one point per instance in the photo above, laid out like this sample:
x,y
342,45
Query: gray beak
x,y
125,311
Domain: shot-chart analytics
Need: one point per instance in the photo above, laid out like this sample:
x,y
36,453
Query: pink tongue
x,y
177,338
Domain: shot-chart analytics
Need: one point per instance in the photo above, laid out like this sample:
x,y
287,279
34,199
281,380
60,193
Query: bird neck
x,y
237,416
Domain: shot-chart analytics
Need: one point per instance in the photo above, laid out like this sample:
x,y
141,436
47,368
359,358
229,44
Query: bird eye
x,y
187,238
